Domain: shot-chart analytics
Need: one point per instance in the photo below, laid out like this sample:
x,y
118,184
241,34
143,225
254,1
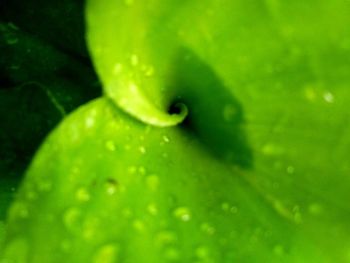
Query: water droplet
x,y
166,139
229,112
44,185
107,254
182,213
328,97
142,149
19,209
208,229
117,69
138,225
152,182
172,254
290,169
132,169
110,146
82,194
278,250
111,186
315,209
310,93
128,2
202,252
152,209
126,212
134,58
165,238
133,89
66,245
225,207
71,218
149,71
297,214
89,122
142,170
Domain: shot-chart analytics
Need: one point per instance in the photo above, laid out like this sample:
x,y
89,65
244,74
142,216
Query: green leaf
x,y
258,170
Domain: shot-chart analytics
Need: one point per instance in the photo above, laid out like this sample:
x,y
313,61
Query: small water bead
x,y
315,209
152,209
290,169
328,97
127,213
278,250
149,71
71,218
111,186
91,228
132,169
139,225
182,213
165,238
142,149
110,145
66,245
208,229
117,69
134,59
202,252
152,182
82,194
44,184
107,254
297,214
142,170
172,254
19,209
166,139
225,207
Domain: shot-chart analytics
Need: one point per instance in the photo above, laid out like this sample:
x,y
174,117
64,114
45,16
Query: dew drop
x,y
110,145
44,185
111,186
278,250
328,97
208,229
149,71
315,209
225,207
107,254
172,254
290,169
71,218
202,253
89,121
183,214
152,182
165,238
19,209
82,194
134,59
142,149
139,225
117,69
66,245
152,209
166,139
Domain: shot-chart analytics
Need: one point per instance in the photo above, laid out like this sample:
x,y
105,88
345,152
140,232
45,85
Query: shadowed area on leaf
x,y
215,115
